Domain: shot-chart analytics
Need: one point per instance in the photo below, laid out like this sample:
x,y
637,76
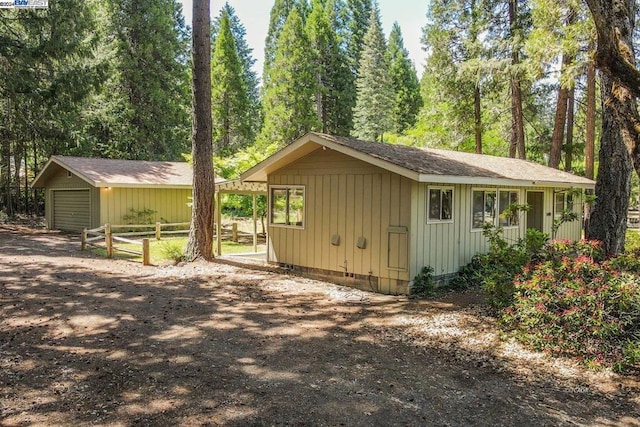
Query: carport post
x,y
218,224
255,225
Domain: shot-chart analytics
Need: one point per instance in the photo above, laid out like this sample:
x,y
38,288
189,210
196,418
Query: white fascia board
x,y
448,179
155,186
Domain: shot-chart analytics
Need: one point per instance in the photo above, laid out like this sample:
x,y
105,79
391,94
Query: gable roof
x,y
120,173
424,164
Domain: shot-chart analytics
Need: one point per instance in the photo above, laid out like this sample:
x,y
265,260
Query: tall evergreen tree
x,y
333,75
374,102
456,75
48,68
230,105
277,19
404,80
149,89
245,53
290,89
359,15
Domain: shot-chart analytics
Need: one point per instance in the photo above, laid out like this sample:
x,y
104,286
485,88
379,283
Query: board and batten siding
x,y
171,205
352,199
447,246
63,181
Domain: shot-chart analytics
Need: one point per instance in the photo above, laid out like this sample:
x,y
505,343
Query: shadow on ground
x,y
86,340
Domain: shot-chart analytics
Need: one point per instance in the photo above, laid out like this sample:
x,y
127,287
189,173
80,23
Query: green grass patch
x,y
168,249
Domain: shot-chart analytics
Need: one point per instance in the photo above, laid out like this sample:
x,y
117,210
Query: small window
x,y
484,208
562,202
440,204
287,206
507,218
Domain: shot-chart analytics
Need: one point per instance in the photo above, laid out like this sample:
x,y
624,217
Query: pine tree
x,y
331,69
277,19
374,102
359,15
404,80
148,91
289,93
48,68
245,53
456,76
229,101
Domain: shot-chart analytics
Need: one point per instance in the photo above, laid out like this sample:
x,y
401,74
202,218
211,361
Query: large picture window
x,y
506,199
287,206
484,208
439,204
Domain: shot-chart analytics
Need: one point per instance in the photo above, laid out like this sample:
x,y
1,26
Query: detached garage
x,y
86,193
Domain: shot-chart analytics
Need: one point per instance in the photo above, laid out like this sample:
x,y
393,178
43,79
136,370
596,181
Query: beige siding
x,y
170,204
352,199
448,246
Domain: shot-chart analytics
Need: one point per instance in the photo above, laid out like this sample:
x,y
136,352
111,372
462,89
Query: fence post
x,y
146,256
234,232
158,230
84,239
108,240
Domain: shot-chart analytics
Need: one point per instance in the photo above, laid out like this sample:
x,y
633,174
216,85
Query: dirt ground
x,y
91,341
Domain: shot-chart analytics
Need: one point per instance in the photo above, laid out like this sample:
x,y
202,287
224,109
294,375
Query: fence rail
x,y
104,237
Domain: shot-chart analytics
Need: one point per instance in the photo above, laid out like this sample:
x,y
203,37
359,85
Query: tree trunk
x,y
614,20
590,138
608,219
5,172
568,157
477,113
517,120
200,242
558,128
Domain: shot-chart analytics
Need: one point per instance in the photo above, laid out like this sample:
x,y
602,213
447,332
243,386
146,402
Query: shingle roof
x,y
109,172
435,162
423,164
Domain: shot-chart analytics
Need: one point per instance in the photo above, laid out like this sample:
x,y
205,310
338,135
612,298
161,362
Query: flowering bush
x,y
573,302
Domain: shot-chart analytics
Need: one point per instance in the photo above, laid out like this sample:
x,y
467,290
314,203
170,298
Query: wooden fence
x,y
106,233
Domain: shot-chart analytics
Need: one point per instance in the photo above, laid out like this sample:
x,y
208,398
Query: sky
x,y
254,14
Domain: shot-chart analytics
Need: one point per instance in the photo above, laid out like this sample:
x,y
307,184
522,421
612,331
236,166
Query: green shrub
x,y
172,251
4,218
571,303
496,270
424,283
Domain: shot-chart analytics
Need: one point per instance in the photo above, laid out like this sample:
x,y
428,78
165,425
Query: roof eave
x,y
57,161
450,179
125,185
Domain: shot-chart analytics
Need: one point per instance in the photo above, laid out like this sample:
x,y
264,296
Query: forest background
x,y
110,78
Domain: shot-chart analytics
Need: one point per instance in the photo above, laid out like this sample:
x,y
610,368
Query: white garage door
x,y
71,210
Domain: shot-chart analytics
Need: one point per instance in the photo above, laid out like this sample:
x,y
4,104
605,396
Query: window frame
x,y
287,207
508,191
485,191
441,188
567,200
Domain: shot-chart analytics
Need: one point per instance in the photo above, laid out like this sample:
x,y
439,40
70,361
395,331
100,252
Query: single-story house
x,y
374,214
88,192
